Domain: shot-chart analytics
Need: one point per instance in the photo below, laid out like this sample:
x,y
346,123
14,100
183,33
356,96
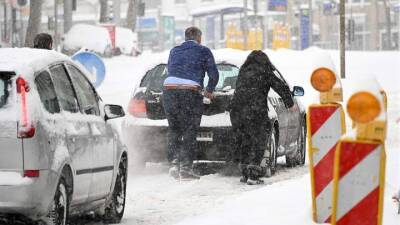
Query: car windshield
x,y
4,87
155,77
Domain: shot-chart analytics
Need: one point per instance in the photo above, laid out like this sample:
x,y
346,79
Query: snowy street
x,y
155,198
200,112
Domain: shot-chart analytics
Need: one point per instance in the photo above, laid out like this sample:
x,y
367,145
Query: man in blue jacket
x,y
183,99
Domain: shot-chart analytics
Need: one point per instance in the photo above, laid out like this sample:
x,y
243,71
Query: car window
x,y
65,93
278,75
227,76
84,90
3,91
47,93
147,77
155,77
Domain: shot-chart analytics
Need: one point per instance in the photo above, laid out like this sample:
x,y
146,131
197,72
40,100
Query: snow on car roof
x,y
88,36
26,61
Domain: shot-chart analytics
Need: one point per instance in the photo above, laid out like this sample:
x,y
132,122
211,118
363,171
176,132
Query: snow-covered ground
x,y
154,198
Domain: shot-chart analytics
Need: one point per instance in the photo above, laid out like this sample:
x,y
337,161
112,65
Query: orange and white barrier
x,y
360,159
359,183
326,124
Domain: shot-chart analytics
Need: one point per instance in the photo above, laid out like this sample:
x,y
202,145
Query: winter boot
x,y
244,171
174,169
254,175
187,174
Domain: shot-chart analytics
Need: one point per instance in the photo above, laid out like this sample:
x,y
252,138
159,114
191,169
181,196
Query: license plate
x,y
205,136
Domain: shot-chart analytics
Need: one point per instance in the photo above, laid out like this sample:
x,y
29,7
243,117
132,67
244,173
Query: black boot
x,y
187,174
254,173
244,171
174,169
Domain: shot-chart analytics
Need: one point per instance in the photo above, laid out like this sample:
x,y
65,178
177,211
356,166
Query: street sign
x,y
304,29
277,5
94,64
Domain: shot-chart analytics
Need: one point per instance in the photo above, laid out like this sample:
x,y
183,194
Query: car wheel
x,y
58,213
298,158
270,156
116,207
301,145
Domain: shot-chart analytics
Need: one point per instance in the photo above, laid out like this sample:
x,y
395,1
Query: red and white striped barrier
x,y
358,183
326,125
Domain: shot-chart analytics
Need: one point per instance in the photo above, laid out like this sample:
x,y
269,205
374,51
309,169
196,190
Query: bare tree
x,y
67,15
103,11
35,16
131,14
342,38
388,26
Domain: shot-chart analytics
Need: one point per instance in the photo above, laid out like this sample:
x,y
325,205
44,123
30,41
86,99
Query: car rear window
x,y
155,77
5,85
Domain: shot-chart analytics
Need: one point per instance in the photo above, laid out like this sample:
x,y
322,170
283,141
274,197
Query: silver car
x,y
59,155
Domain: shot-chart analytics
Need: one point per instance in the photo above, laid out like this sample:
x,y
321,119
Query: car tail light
x,y
31,173
25,126
137,108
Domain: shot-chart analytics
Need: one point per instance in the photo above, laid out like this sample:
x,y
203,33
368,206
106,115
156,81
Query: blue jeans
x,y
183,109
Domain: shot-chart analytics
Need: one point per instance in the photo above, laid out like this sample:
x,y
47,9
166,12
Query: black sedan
x,y
145,128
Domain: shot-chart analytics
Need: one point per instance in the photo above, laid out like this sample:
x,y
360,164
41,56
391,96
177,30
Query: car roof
x,y
27,61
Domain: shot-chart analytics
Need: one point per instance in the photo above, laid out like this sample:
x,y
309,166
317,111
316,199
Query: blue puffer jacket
x,y
191,60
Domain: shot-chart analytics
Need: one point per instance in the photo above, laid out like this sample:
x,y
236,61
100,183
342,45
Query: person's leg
x,y
257,130
191,111
174,136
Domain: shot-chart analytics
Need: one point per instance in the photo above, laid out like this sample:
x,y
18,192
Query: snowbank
x,y
126,40
87,36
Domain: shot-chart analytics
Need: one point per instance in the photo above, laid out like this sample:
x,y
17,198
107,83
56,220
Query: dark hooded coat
x,y
249,106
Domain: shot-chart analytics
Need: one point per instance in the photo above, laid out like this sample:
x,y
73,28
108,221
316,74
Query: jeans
x,y
183,109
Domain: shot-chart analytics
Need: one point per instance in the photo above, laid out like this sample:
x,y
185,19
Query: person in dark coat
x,y
249,112
43,41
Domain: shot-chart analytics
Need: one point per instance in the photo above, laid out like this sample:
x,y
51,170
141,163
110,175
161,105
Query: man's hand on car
x,y
209,95
294,108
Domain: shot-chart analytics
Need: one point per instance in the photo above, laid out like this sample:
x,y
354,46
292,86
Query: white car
x,y
59,155
126,41
93,38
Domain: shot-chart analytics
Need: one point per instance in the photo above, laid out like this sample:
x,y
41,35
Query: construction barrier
x,y
326,124
359,174
359,183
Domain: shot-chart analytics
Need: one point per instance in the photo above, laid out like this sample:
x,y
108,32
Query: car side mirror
x,y
298,91
113,112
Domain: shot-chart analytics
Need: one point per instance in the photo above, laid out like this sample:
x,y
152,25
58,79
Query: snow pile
x,y
126,40
87,36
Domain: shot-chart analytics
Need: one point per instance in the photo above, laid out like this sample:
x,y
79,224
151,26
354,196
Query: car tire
x,y
301,143
270,167
59,210
114,210
299,157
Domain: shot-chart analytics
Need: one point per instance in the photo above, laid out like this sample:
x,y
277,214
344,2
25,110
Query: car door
x,y
77,132
293,119
283,119
101,139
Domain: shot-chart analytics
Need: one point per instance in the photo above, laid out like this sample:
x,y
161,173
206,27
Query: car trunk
x,y
155,109
154,84
11,158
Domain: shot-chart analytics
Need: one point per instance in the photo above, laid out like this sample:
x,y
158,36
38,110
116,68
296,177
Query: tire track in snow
x,y
154,198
